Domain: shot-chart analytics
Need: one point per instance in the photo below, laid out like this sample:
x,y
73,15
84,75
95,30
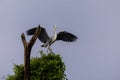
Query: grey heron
x,y
43,36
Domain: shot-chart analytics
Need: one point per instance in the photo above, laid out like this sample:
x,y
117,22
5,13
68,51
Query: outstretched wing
x,y
43,36
66,36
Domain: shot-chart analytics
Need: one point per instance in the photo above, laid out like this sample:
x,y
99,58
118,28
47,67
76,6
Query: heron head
x,y
55,27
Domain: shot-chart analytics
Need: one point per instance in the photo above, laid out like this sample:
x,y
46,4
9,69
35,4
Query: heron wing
x,y
66,36
43,36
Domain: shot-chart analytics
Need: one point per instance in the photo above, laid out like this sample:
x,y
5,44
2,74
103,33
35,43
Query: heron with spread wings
x,y
48,41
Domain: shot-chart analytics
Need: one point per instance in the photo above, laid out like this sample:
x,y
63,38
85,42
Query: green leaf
x,y
47,67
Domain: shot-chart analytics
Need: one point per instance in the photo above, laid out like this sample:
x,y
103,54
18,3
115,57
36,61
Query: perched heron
x,y
43,36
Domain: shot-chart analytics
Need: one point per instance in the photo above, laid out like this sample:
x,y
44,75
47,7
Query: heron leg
x,y
49,49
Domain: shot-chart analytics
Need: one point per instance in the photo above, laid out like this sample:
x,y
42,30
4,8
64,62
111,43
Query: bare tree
x,y
27,51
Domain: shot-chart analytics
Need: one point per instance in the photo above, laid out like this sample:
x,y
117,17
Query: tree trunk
x,y
27,51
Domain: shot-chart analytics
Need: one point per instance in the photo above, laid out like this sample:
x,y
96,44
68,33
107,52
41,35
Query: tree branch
x,y
33,39
24,40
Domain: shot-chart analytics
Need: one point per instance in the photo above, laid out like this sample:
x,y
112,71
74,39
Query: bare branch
x,y
33,39
23,40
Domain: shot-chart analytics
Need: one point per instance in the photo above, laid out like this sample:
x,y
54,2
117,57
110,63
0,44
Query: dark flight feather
x,y
43,36
66,36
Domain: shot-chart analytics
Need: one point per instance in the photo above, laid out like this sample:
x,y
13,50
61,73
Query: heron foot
x,y
49,50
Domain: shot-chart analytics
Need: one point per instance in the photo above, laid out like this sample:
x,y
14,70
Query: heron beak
x,y
55,27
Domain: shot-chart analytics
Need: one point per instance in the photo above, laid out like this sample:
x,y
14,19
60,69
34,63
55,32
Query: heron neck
x,y
55,35
54,32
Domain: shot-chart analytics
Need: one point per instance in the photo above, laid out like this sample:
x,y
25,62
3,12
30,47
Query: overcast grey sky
x,y
96,54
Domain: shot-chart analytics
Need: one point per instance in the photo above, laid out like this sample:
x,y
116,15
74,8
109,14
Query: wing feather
x,y
43,36
66,36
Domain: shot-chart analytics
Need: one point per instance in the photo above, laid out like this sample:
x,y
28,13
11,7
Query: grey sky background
x,y
96,54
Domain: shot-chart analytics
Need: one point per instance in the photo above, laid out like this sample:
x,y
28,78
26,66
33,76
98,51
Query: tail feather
x,y
42,45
